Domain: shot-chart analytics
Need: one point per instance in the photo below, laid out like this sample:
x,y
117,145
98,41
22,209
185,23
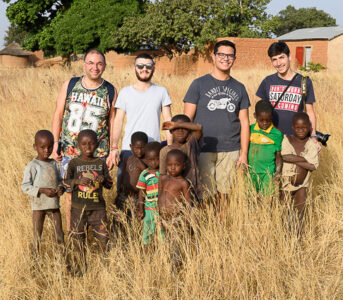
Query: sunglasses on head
x,y
148,66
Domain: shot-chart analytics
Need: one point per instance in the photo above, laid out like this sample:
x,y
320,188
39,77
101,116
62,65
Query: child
x,y
133,167
185,137
173,194
300,156
148,191
264,156
86,176
173,188
42,181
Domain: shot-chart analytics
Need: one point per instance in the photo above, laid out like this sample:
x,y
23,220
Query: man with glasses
x,y
220,104
85,102
142,103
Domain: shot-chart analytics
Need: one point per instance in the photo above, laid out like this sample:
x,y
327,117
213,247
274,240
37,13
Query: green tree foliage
x,y
291,19
177,26
14,34
70,26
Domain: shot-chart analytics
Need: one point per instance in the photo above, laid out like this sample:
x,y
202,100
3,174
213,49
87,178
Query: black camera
x,y
322,138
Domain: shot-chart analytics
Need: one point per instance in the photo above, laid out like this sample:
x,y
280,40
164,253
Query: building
x,y
319,45
14,56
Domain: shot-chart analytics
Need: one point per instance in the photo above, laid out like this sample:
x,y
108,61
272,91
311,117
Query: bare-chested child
x,y
173,188
185,138
133,167
300,156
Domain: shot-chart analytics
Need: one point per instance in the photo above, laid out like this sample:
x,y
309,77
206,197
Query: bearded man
x,y
142,103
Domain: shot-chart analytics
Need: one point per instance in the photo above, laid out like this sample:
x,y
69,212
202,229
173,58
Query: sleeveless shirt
x,y
85,109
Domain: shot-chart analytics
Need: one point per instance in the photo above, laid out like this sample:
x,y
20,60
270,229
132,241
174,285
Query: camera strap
x,y
278,100
304,90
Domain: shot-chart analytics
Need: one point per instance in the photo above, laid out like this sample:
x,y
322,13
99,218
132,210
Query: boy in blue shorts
x,y
264,158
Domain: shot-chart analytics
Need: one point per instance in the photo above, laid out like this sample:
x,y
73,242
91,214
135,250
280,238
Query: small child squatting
x,y
264,157
148,192
133,167
43,182
185,138
300,156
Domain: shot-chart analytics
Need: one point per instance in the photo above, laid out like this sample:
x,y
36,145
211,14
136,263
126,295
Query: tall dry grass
x,y
248,254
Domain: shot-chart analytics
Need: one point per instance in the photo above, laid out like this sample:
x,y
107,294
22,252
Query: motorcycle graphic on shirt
x,y
223,103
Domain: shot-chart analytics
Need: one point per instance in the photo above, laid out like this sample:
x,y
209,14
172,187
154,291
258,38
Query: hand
x,y
276,178
55,156
242,160
60,190
113,159
169,125
318,144
85,181
47,191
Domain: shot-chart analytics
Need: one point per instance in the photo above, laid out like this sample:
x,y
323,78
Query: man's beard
x,y
146,79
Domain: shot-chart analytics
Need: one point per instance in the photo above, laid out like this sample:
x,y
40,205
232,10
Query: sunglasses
x,y
148,66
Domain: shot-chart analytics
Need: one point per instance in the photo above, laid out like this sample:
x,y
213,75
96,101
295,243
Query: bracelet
x,y
114,148
313,136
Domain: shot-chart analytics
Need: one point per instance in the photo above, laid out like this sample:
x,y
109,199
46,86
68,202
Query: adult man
x,y
84,103
220,104
142,103
273,86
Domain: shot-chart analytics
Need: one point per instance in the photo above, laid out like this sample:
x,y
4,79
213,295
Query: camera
x,y
322,137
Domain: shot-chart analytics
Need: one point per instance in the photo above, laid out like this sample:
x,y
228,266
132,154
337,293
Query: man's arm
x,y
111,160
189,110
245,136
166,114
312,116
57,119
115,136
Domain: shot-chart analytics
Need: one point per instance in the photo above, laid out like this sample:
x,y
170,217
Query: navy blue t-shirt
x,y
271,89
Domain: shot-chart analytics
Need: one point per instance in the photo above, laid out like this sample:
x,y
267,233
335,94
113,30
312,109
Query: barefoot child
x,y
86,176
133,167
185,137
264,156
148,191
42,181
300,156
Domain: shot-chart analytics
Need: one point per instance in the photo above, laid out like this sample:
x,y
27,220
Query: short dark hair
x,y
44,133
139,136
93,50
225,43
181,117
178,153
278,48
263,106
153,146
301,116
145,56
87,132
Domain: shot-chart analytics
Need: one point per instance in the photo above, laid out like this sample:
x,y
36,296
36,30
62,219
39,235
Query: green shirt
x,y
262,149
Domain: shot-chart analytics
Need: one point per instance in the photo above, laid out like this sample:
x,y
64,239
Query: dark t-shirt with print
x,y
218,105
88,198
271,89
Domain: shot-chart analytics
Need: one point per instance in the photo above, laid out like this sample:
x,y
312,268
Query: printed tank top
x,y
85,109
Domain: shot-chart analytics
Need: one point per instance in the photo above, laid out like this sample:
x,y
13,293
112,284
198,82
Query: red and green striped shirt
x,y
148,181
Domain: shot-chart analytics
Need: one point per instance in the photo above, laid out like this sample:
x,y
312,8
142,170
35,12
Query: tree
x,y
176,26
67,26
14,34
291,19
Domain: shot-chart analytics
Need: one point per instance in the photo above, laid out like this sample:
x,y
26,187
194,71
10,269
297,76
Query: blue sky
x,y
333,7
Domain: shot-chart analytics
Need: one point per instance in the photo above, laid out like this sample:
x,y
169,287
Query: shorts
x,y
81,219
216,170
262,183
150,222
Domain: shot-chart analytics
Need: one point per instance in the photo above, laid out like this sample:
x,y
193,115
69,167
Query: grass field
x,y
249,254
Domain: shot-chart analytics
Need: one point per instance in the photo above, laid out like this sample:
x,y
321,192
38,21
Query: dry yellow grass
x,y
249,254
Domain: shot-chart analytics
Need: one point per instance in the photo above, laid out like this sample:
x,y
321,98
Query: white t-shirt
x,y
143,111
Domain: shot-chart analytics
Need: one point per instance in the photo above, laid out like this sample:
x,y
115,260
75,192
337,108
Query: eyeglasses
x,y
148,66
91,64
224,55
